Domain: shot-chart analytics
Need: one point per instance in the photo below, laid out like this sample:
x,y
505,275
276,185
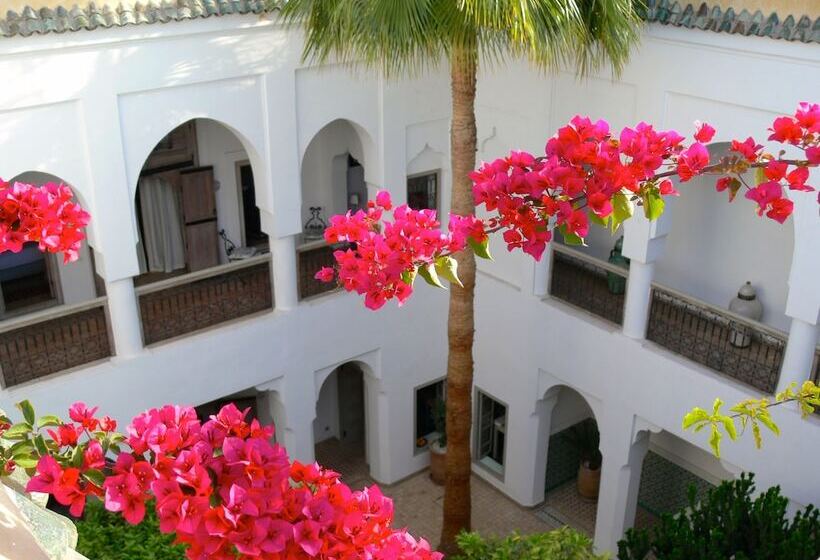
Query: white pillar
x,y
541,279
125,318
620,480
800,351
285,274
537,441
638,299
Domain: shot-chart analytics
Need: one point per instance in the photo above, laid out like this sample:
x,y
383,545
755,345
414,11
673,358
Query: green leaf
x,y
77,457
21,430
570,238
766,419
694,416
596,219
48,420
714,440
408,277
653,204
26,461
622,209
40,444
94,476
428,272
481,249
760,176
729,426
716,406
24,447
27,410
734,187
447,267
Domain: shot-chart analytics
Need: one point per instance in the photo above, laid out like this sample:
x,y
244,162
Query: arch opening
x,y
32,280
196,202
340,428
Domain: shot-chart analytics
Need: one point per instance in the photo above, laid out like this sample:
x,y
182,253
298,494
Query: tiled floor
x,y
418,501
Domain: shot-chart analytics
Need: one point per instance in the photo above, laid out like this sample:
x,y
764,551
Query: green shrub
x,y
561,544
728,523
106,536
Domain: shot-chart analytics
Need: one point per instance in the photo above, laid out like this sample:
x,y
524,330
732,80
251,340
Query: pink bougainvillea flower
x,y
325,274
704,132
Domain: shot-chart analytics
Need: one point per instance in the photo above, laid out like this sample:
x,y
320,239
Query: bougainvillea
x,y
45,215
220,486
588,174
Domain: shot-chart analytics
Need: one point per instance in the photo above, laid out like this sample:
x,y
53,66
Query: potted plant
x,y
585,438
438,447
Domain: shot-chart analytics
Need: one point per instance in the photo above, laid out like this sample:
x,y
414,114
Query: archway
x,y
32,280
196,202
333,182
572,451
340,426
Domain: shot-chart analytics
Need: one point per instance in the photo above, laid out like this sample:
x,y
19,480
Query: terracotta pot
x,y
437,467
589,480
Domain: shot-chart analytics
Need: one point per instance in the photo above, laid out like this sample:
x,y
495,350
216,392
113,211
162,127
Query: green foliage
x,y
414,34
586,439
561,544
729,523
106,536
752,414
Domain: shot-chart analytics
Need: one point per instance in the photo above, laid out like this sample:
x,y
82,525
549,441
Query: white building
x,y
248,139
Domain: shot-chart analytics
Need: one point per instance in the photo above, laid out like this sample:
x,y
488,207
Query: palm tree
x,y
397,36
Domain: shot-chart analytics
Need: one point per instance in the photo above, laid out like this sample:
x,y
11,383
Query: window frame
x,y
486,462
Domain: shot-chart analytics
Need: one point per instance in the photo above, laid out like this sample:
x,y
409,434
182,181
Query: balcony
x,y
56,339
588,283
735,346
191,302
311,257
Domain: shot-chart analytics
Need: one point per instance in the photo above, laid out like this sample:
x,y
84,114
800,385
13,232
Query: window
x,y
26,280
492,430
428,398
422,191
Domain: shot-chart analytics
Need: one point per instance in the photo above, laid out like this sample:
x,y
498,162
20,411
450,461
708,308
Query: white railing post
x,y
541,276
638,299
800,351
125,319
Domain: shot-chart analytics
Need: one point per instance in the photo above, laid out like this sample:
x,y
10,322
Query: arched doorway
x,y
196,203
572,465
333,182
340,426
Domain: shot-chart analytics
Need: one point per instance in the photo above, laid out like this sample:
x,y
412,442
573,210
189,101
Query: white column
x,y
536,442
541,278
285,287
125,318
638,298
620,480
800,351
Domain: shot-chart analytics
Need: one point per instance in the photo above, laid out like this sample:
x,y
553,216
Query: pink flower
x,y
704,132
786,129
326,274
748,148
48,473
81,414
692,161
764,194
383,200
780,209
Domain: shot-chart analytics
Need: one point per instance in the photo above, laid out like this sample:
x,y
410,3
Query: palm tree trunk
x,y
460,324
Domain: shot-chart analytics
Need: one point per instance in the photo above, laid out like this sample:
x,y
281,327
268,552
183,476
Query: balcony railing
x,y
586,282
310,258
39,344
202,299
735,346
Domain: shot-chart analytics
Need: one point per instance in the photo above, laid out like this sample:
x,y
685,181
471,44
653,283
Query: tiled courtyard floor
x,y
418,502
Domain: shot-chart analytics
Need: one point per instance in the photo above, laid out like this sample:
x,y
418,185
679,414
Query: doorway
x,y
339,429
252,234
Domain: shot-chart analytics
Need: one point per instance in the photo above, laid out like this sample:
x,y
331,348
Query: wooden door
x,y
199,216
